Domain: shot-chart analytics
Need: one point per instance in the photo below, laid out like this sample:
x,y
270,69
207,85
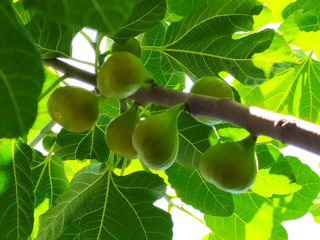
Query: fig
x,y
49,140
212,86
119,131
73,108
121,75
231,166
132,45
156,139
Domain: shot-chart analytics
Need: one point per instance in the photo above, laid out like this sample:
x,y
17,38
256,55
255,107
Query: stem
x,y
287,129
124,165
87,38
44,131
98,53
53,85
172,204
123,105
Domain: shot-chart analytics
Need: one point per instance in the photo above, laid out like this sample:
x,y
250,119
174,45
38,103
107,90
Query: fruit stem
x,y
124,165
52,86
44,131
123,105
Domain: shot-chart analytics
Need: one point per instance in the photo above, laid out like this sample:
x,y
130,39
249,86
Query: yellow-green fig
x,y
119,131
73,108
156,139
231,166
132,45
121,75
212,86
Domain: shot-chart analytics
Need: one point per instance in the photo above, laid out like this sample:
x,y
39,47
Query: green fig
x,y
156,139
73,108
49,140
121,75
132,45
231,166
212,86
119,131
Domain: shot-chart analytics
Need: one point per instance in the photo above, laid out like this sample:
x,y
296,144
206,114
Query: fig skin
x,y
156,139
212,86
231,166
73,108
132,45
121,75
119,131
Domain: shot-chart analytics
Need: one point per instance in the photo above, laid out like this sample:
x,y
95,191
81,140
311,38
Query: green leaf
x,y
196,191
89,144
107,16
16,190
300,5
276,7
152,60
48,176
53,39
293,92
259,217
21,76
146,15
315,211
302,30
184,7
92,197
200,44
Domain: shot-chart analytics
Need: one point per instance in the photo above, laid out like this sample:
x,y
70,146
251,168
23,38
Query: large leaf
x,y
53,39
184,7
107,16
16,190
89,144
146,14
48,177
92,198
21,75
202,44
293,92
257,217
152,60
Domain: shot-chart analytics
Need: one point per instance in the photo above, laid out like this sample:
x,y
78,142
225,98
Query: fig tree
x,y
156,139
132,45
73,108
119,131
231,166
212,86
121,75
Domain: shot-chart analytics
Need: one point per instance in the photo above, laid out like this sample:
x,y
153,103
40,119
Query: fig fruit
x,y
132,45
121,75
156,139
119,131
231,166
49,140
73,108
212,86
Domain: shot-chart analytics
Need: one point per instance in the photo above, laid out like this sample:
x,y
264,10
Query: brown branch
x,y
287,129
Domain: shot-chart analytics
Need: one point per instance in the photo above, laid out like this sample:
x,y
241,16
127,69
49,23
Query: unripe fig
x,y
156,139
212,86
132,45
49,140
121,75
119,131
73,108
231,166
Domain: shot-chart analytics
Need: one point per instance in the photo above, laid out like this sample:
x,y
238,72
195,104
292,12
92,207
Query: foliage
x,y
74,189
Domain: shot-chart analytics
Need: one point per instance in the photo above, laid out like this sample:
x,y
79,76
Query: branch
x,y
287,129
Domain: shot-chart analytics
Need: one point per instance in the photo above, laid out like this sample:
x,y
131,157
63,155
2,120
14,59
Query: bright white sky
x,y
185,226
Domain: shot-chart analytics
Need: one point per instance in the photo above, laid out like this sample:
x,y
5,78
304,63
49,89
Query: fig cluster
x,y
231,166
